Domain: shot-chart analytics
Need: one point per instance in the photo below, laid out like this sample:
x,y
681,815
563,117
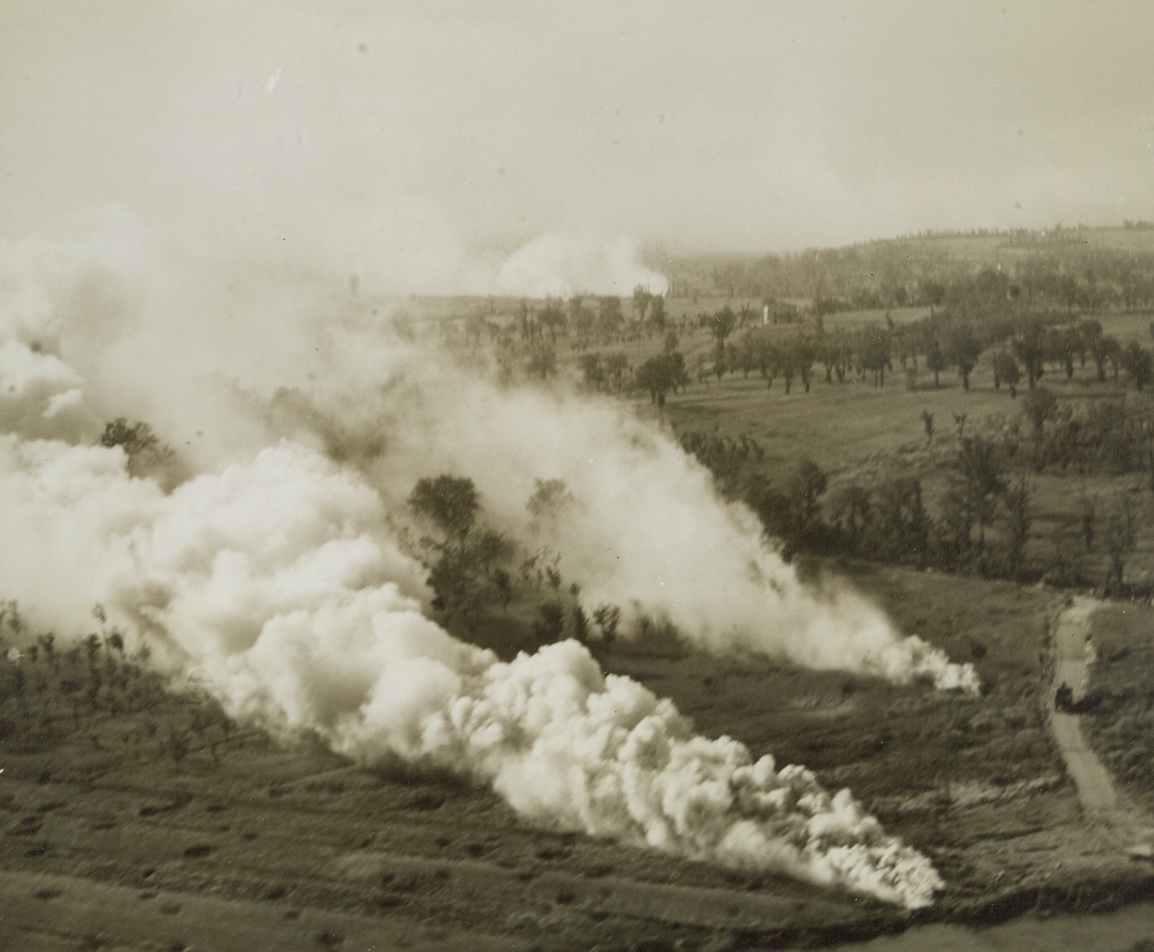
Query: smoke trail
x,y
278,572
646,530
274,577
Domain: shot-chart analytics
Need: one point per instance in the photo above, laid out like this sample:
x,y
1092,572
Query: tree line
x,y
1054,269
979,516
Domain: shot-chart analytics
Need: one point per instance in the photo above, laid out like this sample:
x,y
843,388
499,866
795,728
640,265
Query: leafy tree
x,y
802,357
1061,347
607,618
805,488
542,361
849,512
657,312
875,352
723,323
936,361
660,374
1029,348
774,509
616,370
898,526
1007,371
592,371
609,318
642,297
550,623
933,293
463,572
1119,537
964,349
970,501
1039,406
580,623
834,353
464,576
1138,363
1018,521
609,311
451,503
1104,350
551,316
550,498
140,444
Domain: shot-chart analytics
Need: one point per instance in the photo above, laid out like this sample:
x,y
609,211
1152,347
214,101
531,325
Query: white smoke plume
x,y
646,531
563,263
273,577
278,571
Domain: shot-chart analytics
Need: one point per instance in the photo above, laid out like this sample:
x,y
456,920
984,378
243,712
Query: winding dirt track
x,y
1073,653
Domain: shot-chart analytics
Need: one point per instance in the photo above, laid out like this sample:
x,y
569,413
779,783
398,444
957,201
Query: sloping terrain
x,y
107,842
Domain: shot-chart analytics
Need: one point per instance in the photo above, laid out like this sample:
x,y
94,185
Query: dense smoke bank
x,y
289,578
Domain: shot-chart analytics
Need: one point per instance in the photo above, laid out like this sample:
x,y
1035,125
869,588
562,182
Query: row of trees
x,y
588,320
1110,436
1058,272
980,519
1023,351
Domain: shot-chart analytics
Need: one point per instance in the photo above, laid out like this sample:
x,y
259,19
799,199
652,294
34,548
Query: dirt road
x,y
1074,652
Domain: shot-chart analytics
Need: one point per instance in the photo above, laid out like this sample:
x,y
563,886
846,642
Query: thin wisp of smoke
x,y
287,578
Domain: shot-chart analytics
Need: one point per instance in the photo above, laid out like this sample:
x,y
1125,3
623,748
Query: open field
x,y
478,477
857,431
108,843
1120,715
135,819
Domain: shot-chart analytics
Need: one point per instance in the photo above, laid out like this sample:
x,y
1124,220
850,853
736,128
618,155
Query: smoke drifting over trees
x,y
282,562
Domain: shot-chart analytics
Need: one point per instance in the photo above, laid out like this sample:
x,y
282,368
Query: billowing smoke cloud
x,y
281,575
273,577
562,264
645,530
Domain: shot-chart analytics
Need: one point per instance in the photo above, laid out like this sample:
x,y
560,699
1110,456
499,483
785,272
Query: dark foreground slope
x,y
113,835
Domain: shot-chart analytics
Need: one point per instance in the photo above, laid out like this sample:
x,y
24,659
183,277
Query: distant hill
x,y
1113,266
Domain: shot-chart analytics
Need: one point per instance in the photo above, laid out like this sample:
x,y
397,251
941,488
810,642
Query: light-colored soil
x,y
1111,815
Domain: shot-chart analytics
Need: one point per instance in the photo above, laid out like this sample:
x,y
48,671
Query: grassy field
x,y
856,431
1121,721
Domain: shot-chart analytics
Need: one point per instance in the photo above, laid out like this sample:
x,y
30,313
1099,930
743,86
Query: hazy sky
x,y
417,132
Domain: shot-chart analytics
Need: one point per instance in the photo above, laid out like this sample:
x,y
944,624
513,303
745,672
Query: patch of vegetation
x,y
1120,723
97,693
147,454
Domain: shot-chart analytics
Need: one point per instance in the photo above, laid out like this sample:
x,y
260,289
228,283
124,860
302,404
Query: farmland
x,y
137,813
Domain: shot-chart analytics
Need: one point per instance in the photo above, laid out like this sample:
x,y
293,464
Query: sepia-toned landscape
x,y
440,511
